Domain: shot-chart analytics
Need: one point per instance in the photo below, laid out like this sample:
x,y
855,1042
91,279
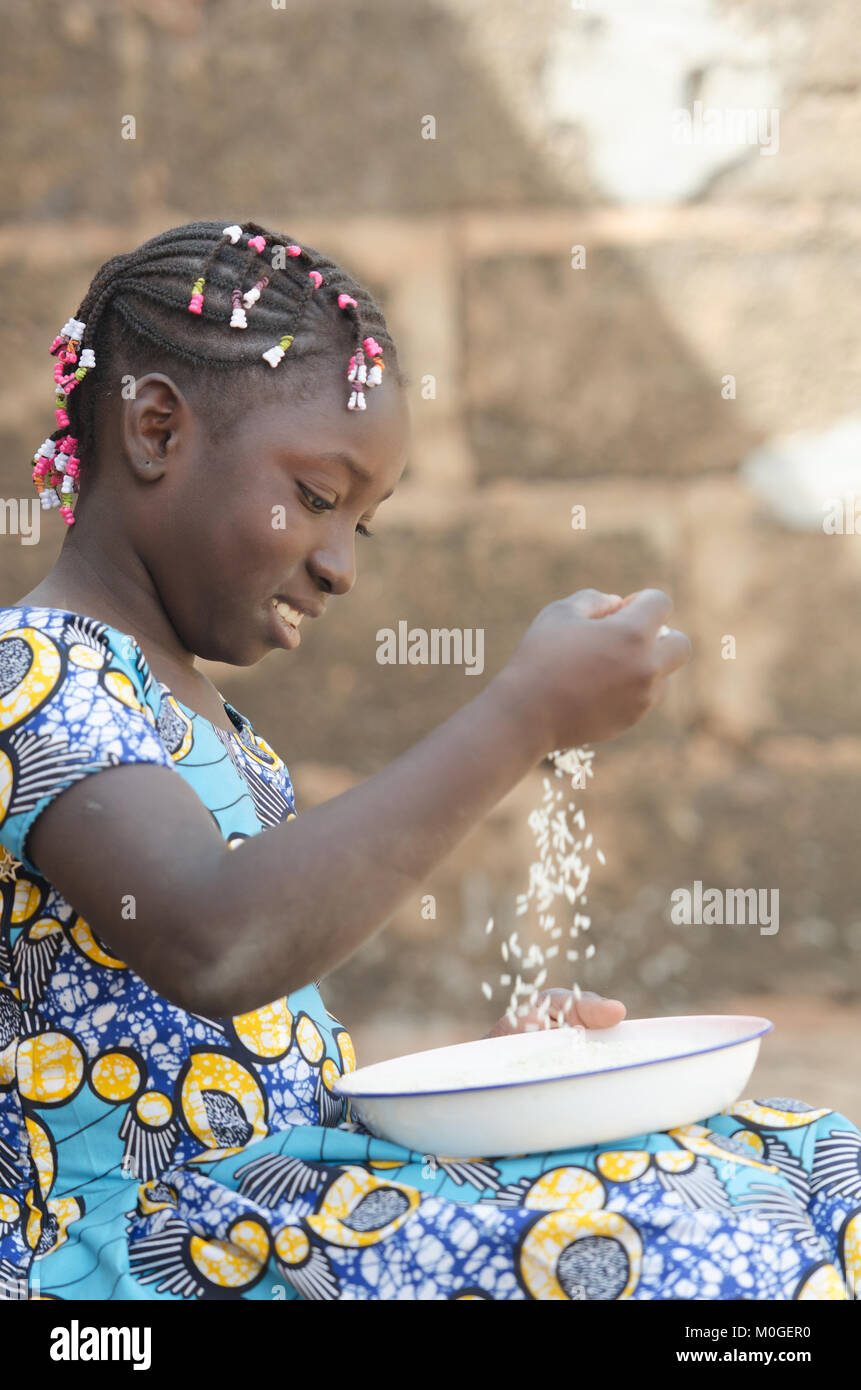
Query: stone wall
x,y
552,387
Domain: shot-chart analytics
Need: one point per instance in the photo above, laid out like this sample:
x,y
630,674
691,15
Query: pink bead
x,y
258,242
372,347
345,299
68,445
56,343
62,417
316,277
294,250
195,304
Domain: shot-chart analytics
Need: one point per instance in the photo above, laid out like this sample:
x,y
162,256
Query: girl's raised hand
x,y
590,665
589,1011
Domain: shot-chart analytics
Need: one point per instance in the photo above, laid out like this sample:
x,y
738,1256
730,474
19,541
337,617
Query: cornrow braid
x,y
171,305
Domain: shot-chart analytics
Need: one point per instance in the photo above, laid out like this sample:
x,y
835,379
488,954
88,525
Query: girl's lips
x,y
286,632
289,615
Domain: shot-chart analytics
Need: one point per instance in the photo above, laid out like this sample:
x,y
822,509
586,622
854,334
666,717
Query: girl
x,y
230,413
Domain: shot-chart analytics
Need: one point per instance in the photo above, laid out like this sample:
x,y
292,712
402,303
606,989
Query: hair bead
x,y
237,318
258,242
234,231
195,304
251,296
274,354
316,277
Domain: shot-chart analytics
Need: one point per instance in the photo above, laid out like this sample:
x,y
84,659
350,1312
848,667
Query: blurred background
x,y
602,304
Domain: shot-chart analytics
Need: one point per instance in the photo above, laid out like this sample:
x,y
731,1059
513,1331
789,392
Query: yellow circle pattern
x,y
554,1233
50,1068
223,1264
37,684
213,1071
345,1194
292,1245
623,1165
115,1076
310,1039
266,1032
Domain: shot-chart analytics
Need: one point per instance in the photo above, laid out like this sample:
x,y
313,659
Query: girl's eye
x,y
313,497
325,506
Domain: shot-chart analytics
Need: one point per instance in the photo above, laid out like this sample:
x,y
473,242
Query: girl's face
x,y
275,513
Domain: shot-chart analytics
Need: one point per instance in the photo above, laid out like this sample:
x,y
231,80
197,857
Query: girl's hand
x,y
590,665
589,1011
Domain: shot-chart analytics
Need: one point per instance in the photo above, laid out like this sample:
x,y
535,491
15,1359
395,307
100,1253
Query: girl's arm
x,y
221,932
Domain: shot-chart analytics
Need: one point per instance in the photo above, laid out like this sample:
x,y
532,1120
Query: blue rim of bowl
x,y
546,1080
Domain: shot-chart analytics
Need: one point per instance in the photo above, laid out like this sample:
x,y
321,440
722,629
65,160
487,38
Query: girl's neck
x,y
112,597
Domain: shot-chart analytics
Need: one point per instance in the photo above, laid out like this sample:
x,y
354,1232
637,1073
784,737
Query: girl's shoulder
x,y
48,631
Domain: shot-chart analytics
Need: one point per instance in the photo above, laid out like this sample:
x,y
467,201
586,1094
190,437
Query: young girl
x,y
230,414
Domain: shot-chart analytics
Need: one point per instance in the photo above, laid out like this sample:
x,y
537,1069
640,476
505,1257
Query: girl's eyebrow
x,y
338,456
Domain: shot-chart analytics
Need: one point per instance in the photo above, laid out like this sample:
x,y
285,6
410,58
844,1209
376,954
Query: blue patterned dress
x,y
149,1153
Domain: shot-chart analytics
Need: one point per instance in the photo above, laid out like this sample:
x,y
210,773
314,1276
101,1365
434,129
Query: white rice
x,y
558,875
573,1054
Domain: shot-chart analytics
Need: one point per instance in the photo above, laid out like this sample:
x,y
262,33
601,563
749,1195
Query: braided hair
x,y
137,317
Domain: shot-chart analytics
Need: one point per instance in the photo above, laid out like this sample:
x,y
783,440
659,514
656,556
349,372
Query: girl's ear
x,y
152,425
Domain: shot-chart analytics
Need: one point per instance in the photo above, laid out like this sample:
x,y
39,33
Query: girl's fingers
x,y
651,607
592,603
593,1011
673,650
589,1011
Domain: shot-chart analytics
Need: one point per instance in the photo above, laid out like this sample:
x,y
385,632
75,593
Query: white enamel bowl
x,y
494,1096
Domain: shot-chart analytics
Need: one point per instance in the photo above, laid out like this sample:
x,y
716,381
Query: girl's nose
x,y
334,571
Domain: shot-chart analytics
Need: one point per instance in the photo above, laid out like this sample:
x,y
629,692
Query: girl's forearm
x,y
289,905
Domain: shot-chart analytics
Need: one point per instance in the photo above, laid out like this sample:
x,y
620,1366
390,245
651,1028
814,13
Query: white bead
x,y
362,403
273,355
233,231
375,375
251,297
48,449
237,318
363,372
88,358
351,403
